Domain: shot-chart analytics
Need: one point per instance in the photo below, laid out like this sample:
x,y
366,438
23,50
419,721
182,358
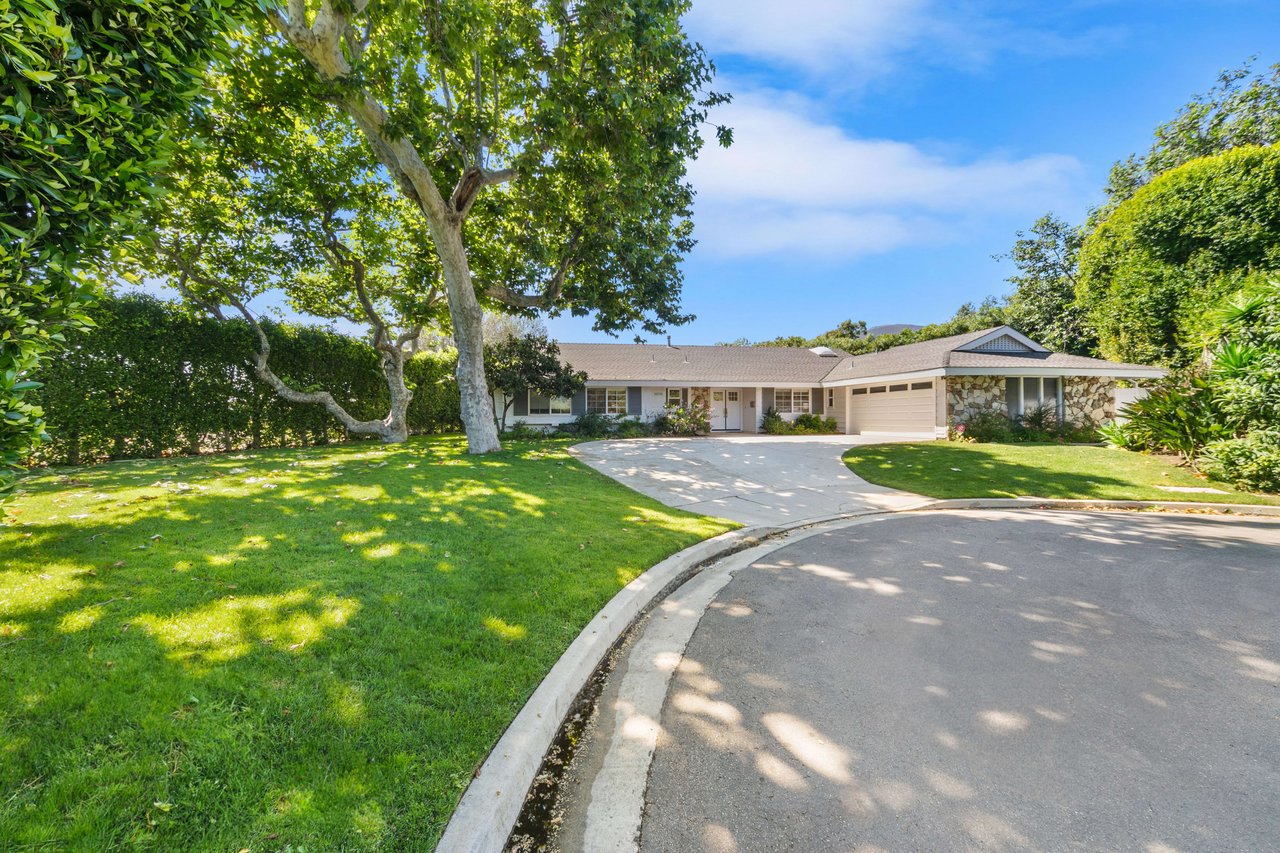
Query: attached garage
x,y
897,407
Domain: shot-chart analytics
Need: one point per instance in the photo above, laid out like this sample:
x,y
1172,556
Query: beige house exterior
x,y
917,389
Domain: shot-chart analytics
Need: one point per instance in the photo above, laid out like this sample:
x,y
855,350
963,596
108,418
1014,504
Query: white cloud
x,y
858,39
809,33
793,183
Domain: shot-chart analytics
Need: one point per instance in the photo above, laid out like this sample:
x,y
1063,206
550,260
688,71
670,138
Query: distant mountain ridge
x,y
891,329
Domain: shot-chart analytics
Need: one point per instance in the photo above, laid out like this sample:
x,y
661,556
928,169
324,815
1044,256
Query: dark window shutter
x,y
635,405
815,400
684,397
521,406
767,393
578,405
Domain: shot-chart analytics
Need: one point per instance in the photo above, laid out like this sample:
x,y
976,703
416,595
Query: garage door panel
x,y
894,411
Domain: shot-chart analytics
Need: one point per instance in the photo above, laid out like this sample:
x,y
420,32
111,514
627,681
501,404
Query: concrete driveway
x,y
752,479
983,681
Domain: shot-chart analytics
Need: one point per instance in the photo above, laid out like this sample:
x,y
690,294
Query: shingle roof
x,y
942,353
908,358
692,364
689,365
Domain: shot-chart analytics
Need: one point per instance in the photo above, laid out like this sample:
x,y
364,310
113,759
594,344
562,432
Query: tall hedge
x,y
1153,268
152,380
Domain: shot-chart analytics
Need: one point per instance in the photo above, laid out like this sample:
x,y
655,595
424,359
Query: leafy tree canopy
x,y
273,197
1043,304
543,143
1149,272
968,318
519,363
1242,109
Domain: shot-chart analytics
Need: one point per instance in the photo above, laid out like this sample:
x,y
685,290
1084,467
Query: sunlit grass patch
x,y
953,470
291,648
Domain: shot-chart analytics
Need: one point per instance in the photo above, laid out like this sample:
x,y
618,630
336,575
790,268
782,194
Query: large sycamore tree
x,y
270,199
542,143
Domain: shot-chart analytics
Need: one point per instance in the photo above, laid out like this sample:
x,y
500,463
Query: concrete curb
x,y
492,803
1049,503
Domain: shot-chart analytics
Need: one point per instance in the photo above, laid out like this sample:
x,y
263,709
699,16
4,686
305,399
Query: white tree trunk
x,y
397,421
392,429
468,336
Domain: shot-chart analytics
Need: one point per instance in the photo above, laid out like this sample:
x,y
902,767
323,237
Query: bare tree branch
x,y
551,288
284,390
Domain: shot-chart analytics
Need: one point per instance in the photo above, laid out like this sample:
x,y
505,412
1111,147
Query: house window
x,y
1024,394
791,401
673,398
921,386
831,398
902,387
607,401
856,391
540,404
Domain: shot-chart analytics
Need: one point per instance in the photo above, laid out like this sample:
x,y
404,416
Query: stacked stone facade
x,y
1087,400
970,395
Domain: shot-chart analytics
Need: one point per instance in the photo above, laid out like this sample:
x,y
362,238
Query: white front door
x,y
726,410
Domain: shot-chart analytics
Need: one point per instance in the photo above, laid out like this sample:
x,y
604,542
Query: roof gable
x,y
1005,339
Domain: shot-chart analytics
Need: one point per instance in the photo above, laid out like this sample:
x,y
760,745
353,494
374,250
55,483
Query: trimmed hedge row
x,y
152,380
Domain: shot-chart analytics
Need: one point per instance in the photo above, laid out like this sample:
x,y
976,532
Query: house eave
x,y
1115,373
699,383
1110,372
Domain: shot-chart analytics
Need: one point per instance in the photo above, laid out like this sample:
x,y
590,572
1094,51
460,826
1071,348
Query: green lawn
x,y
291,649
952,470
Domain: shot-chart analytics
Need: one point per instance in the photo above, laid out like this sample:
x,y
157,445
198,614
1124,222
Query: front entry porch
x,y
725,410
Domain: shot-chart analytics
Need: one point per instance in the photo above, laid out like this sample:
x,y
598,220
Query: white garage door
x,y
897,407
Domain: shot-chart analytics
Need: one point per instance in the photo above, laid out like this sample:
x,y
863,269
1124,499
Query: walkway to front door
x,y
726,410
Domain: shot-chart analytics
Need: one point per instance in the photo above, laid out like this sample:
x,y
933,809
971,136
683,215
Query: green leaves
x,y
152,379
1151,271
593,108
86,104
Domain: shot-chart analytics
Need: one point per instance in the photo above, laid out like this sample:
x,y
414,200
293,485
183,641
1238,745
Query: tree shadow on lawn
x,y
299,647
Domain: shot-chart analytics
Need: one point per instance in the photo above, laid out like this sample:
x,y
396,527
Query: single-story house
x,y
917,389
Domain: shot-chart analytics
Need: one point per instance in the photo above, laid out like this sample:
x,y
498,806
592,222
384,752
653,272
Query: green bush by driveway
x,y
951,470
295,649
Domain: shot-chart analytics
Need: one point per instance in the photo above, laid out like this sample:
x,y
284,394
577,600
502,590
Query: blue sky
x,y
886,149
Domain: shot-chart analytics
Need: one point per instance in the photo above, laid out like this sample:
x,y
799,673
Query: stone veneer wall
x,y
1089,400
1086,400
970,395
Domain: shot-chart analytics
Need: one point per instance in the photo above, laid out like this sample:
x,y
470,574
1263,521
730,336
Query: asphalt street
x,y
986,681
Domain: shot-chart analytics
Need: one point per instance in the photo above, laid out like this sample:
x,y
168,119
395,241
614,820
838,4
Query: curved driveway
x,y
753,479
983,681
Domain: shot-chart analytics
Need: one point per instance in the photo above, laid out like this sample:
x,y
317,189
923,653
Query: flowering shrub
x,y
683,420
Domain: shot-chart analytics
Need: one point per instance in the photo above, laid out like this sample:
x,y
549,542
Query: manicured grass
x,y
291,649
950,470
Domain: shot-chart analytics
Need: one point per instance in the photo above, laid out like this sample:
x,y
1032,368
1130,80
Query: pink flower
x,y
959,429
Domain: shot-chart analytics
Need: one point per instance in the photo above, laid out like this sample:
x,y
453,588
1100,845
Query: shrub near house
x,y
1223,416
